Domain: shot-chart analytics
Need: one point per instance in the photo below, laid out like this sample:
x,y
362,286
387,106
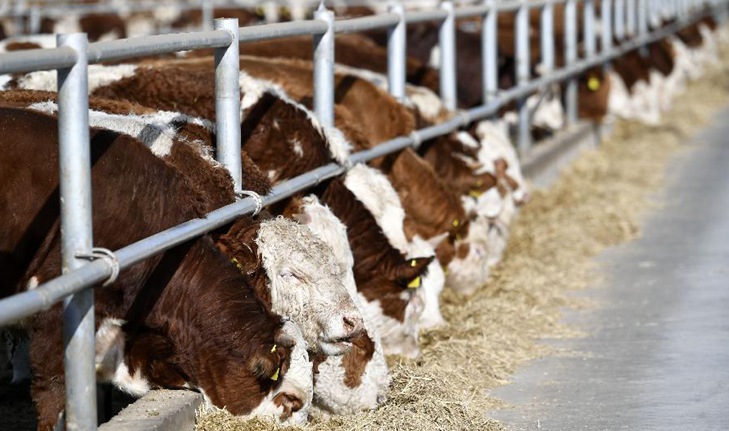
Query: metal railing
x,y
73,54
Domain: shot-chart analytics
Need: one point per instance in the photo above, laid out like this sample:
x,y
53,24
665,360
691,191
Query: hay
x,y
595,204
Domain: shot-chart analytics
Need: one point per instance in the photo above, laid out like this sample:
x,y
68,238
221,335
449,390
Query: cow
x,y
150,330
360,379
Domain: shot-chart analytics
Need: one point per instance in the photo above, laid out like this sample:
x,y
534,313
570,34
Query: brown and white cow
x,y
154,321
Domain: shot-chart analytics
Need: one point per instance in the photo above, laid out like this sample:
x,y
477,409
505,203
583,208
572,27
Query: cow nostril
x,y
352,324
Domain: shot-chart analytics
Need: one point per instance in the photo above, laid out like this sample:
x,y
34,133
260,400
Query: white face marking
x,y
307,285
109,360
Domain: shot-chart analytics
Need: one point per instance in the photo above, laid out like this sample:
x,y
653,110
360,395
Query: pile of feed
x,y
596,203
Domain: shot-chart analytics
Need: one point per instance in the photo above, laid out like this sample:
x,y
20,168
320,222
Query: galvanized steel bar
x,y
631,12
570,25
397,54
643,17
489,53
606,15
281,30
373,22
37,59
76,234
447,46
207,14
547,38
324,68
522,74
426,16
620,19
160,44
588,32
227,103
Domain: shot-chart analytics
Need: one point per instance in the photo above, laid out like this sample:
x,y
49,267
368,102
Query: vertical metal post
x,y
570,25
324,68
489,53
620,19
397,54
227,103
76,234
630,18
547,37
447,45
522,73
606,16
207,14
34,20
642,17
589,28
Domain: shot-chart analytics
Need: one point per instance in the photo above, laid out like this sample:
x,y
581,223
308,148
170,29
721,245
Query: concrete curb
x,y
161,410
168,410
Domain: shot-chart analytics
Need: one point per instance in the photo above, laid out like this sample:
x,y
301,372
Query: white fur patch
x,y
306,283
99,76
32,283
109,360
157,131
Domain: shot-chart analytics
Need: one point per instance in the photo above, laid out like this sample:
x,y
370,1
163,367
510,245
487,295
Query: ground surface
x,y
658,346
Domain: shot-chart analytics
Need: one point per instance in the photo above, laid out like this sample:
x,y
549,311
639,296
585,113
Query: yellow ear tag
x,y
415,283
237,264
273,349
274,377
593,83
413,263
445,270
456,223
475,193
479,183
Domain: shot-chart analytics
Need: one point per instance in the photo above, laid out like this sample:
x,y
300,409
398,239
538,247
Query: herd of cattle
x,y
287,313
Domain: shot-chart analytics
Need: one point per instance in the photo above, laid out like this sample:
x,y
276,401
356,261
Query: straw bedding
x,y
595,204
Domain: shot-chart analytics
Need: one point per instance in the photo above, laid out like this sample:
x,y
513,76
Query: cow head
x,y
306,284
396,291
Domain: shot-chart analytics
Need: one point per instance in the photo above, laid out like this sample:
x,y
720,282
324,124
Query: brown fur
x,y
431,207
97,25
178,339
593,104
21,46
355,361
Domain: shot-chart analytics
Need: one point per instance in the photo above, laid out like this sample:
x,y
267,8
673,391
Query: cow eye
x,y
289,275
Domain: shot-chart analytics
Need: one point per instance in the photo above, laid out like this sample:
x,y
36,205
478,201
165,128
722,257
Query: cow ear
x,y
265,362
410,271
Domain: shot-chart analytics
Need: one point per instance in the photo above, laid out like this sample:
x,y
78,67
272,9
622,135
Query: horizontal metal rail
x,y
373,22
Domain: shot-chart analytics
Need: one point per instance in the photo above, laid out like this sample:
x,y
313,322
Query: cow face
x,y
306,285
290,398
395,303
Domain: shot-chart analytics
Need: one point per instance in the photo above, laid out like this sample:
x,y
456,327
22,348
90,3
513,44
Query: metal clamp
x,y
255,196
108,256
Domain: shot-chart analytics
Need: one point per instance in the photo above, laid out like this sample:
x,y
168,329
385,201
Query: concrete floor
x,y
657,354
